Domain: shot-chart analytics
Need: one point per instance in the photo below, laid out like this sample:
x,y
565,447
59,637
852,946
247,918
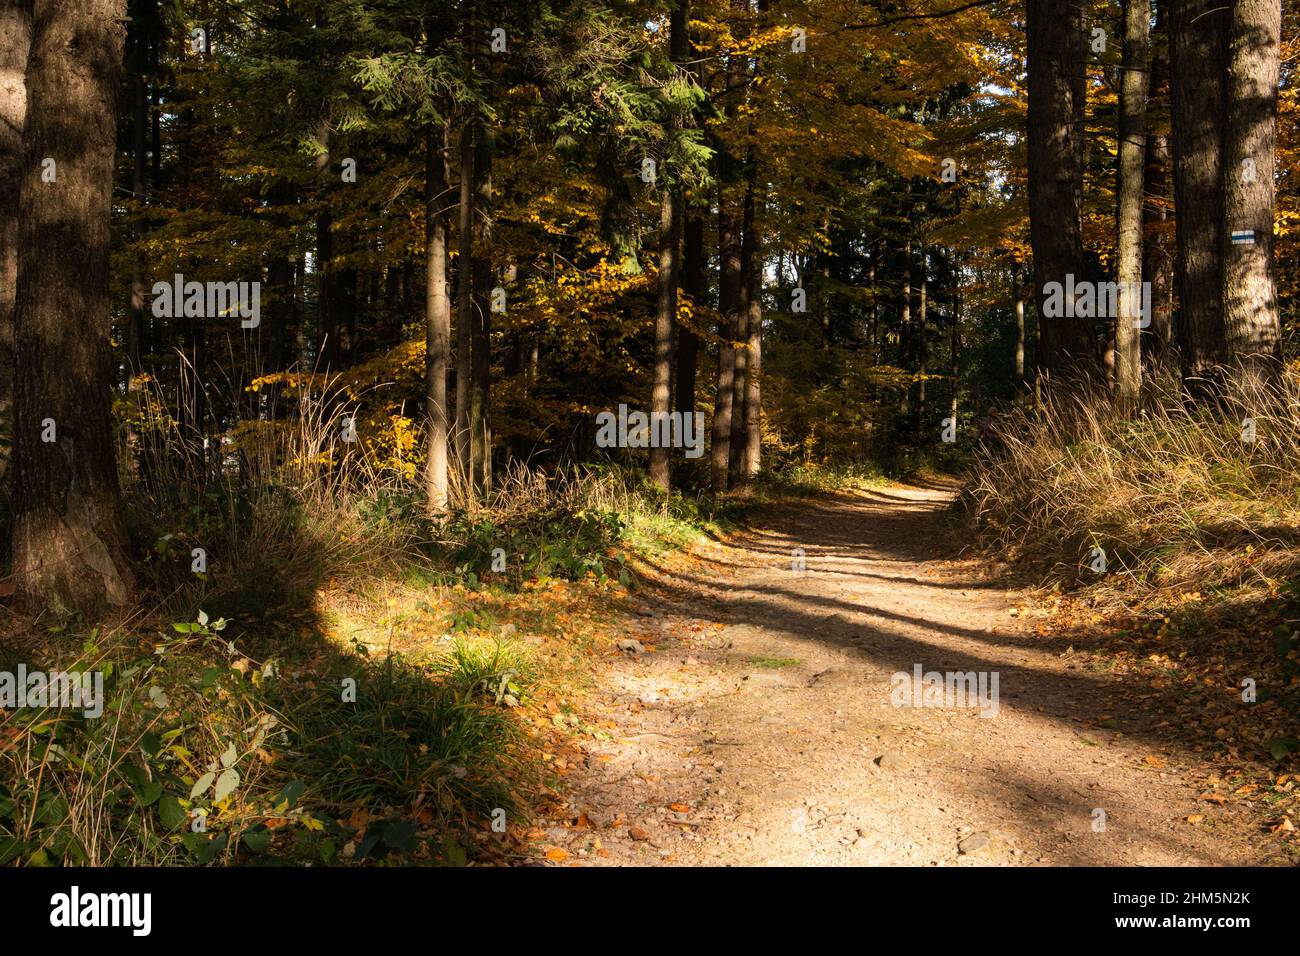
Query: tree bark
x,y
1198,53
954,346
15,44
922,346
873,334
693,283
1130,181
754,370
143,35
1056,52
1018,291
1157,252
670,228
464,305
728,303
1252,330
281,304
906,322
670,241
68,533
729,284
692,278
737,452
480,429
437,316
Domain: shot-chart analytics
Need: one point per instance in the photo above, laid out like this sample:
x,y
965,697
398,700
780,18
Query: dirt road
x,y
767,725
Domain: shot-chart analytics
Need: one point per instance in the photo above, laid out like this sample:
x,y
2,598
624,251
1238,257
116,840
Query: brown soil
x,y
761,729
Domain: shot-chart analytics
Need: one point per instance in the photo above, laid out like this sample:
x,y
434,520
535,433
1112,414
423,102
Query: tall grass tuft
x,y
1176,494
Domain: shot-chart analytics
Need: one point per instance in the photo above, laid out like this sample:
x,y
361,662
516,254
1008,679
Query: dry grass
x,y
1176,495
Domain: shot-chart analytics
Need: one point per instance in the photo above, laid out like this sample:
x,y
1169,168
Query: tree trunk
x,y
728,303
922,346
1128,190
1198,53
670,227
137,324
437,315
670,241
873,335
15,44
729,285
1157,253
954,346
480,429
1056,44
737,453
327,340
464,305
754,370
1018,291
323,266
906,322
68,534
1250,316
693,283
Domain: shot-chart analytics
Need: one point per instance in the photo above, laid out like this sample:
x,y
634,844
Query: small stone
x,y
638,834
974,843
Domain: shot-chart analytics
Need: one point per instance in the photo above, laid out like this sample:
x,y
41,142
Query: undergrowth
x,y
320,675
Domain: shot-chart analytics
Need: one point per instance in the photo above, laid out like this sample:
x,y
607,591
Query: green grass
x,y
774,663
268,755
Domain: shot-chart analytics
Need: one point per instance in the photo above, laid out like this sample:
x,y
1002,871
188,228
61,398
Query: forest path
x,y
760,728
